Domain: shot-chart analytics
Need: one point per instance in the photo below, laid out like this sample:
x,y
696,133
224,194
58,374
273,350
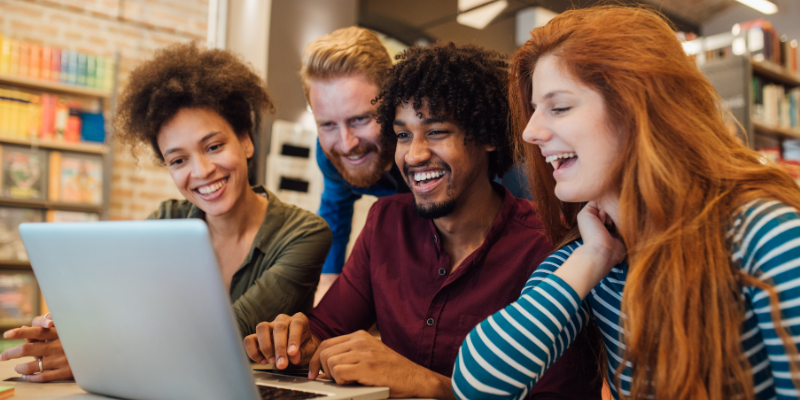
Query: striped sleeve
x,y
766,245
504,356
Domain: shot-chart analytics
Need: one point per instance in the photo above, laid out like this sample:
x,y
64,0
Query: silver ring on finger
x,y
41,369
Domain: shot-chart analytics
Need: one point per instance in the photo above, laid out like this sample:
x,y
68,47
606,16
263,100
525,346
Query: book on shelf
x,y
53,64
24,172
19,298
75,178
774,105
11,247
71,216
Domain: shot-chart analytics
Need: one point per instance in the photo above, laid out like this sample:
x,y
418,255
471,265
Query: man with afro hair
x,y
430,264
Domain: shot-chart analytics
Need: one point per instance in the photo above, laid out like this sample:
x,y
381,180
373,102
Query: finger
x,y
264,335
40,349
36,333
251,348
280,337
42,322
344,374
28,367
298,334
50,375
314,365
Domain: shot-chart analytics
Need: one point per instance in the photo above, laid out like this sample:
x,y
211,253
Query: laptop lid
x,y
140,309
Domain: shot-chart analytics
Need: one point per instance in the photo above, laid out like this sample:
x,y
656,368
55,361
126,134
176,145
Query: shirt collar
x,y
273,220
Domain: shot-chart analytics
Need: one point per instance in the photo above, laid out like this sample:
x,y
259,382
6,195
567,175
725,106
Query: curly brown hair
x,y
465,82
186,76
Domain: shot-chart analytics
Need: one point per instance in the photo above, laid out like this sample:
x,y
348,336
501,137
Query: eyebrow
x,y
356,115
426,121
206,137
551,95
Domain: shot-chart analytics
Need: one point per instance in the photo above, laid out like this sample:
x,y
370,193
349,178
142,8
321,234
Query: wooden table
x,y
53,390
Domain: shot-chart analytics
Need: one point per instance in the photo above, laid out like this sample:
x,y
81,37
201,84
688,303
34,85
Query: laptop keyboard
x,y
271,392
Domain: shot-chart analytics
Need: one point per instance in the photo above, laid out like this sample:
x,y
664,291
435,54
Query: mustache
x,y
358,151
443,165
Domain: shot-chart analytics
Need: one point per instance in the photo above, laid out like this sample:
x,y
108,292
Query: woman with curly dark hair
x,y
197,110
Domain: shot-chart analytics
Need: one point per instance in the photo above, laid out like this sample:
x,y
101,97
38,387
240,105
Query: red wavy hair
x,y
681,176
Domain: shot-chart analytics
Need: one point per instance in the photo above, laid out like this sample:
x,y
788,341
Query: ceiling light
x,y
481,16
763,6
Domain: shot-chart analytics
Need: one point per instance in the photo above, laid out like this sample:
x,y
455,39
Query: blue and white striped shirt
x,y
504,356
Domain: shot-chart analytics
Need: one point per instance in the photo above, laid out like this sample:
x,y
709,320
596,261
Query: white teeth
x,y
355,157
208,189
422,176
554,157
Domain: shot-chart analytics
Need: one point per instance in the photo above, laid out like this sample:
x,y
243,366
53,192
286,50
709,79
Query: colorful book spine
x,y
72,68
5,111
100,73
46,63
5,55
48,116
24,58
34,71
80,76
14,58
91,71
108,79
55,64
64,68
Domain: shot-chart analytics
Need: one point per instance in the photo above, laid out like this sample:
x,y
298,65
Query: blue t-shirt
x,y
338,196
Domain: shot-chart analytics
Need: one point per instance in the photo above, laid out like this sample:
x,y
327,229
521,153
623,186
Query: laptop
x,y
142,314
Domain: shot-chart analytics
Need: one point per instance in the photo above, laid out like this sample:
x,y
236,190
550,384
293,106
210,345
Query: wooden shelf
x,y
51,205
15,264
776,131
53,86
775,73
81,147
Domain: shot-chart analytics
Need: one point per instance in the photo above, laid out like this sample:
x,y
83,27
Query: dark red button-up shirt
x,y
398,277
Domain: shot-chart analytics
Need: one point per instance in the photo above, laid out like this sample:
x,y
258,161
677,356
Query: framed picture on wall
x,y
19,298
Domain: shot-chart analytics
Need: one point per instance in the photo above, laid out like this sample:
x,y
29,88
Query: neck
x,y
248,213
467,226
610,204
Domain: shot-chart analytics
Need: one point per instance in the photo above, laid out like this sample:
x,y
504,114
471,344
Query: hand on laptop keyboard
x,y
284,341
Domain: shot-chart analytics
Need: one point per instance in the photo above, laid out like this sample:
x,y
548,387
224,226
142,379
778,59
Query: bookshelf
x,y
731,77
44,207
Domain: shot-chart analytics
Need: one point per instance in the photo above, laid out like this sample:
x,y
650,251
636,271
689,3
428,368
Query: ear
x,y
247,143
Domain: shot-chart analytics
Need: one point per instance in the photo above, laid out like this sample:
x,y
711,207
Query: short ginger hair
x,y
187,76
344,52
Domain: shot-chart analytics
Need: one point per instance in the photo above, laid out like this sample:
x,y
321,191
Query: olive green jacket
x,y
281,272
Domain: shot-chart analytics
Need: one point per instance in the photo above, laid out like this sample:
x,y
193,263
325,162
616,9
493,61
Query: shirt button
x,y
435,239
429,322
442,271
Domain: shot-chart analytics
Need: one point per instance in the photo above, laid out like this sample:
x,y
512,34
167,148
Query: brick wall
x,y
134,29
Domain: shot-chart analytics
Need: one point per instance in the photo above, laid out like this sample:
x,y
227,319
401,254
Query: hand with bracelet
x,y
43,344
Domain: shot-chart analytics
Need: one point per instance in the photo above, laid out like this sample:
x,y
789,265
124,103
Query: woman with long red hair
x,y
675,241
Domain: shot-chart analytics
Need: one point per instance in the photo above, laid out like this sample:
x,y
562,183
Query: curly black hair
x,y
466,83
186,76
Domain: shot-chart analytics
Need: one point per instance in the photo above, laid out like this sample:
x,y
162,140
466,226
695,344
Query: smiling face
x,y
348,132
206,159
438,165
570,126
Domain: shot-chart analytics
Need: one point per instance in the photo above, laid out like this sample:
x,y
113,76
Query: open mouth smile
x,y
563,160
425,181
212,190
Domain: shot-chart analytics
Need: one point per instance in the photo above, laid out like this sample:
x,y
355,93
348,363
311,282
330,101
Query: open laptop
x,y
142,314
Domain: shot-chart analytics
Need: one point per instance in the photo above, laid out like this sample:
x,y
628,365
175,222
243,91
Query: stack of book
x,y
54,64
46,116
774,106
777,49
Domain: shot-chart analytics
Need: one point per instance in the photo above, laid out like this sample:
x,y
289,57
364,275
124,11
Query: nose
x,y
418,153
348,140
535,132
202,167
